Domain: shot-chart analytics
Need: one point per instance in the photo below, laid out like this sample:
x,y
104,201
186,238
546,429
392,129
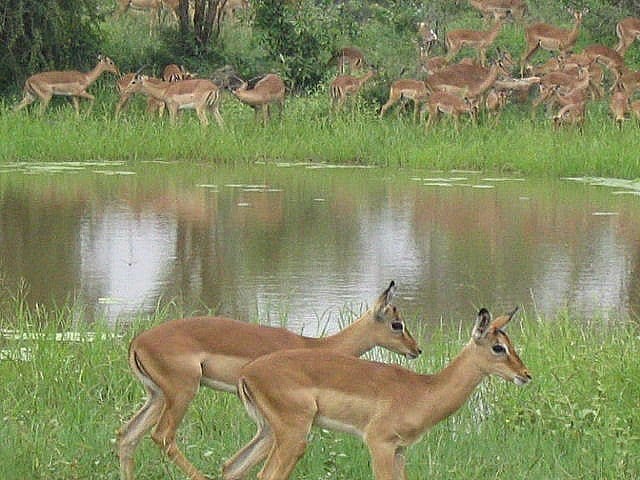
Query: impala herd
x,y
564,83
288,383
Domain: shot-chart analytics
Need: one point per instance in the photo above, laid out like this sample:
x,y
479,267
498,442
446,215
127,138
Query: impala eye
x,y
397,326
498,349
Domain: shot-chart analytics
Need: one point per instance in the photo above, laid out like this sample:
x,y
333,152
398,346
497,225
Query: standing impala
x,y
344,86
406,89
627,30
68,83
500,9
479,40
389,407
173,359
551,38
199,95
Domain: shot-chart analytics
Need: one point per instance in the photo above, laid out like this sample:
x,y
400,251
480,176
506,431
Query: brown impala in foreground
x,y
389,407
175,358
69,83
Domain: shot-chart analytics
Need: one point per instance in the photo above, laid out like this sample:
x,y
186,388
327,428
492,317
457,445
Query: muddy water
x,y
303,242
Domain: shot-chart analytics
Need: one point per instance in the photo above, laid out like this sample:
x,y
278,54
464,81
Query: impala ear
x,y
385,298
500,322
481,327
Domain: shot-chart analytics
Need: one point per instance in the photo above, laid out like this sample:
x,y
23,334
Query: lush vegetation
x,y
63,399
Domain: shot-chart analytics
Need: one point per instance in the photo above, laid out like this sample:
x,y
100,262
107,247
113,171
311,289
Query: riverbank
x,y
309,132
63,398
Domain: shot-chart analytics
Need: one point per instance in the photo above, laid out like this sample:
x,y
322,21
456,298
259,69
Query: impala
x,y
68,83
344,86
173,359
154,6
426,38
175,73
561,82
198,95
171,73
627,30
122,83
500,9
551,38
464,80
350,57
619,106
608,57
389,407
449,104
573,108
629,82
478,40
406,89
267,91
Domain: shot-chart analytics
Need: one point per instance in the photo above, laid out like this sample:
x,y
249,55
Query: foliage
x,y
38,35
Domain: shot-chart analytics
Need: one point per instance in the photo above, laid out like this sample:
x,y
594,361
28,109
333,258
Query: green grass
x,y
579,418
309,132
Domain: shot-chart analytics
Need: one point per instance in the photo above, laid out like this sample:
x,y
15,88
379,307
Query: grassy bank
x,y
309,132
62,401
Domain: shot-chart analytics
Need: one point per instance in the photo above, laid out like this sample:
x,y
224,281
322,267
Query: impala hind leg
x,y
249,456
130,434
285,453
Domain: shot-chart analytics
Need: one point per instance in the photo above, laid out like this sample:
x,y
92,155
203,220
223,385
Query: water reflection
x,y
301,243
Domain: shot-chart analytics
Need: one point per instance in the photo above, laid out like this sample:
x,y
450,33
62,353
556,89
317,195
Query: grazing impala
x,y
198,95
267,91
628,30
389,407
478,40
500,9
620,105
68,83
406,89
173,359
154,6
344,86
350,57
551,38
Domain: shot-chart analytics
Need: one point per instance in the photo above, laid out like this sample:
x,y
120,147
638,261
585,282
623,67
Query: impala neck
x,y
449,389
155,88
354,340
93,74
573,35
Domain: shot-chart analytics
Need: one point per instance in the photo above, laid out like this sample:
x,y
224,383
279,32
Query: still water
x,y
302,242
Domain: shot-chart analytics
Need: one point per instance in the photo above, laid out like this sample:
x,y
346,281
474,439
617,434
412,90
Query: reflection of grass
x,y
310,133
578,419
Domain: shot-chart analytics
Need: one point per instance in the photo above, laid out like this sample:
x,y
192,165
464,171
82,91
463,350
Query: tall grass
x,y
62,401
309,131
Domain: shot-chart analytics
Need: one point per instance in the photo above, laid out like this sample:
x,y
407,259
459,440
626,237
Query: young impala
x,y
174,359
389,407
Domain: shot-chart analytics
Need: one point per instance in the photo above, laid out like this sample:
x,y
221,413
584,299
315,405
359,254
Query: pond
x,y
304,241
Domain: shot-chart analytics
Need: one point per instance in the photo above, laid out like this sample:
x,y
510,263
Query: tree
x,y
37,35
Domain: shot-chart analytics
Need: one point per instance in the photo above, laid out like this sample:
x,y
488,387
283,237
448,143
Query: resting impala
x,y
406,89
267,91
344,86
175,358
478,40
198,95
551,38
628,30
68,83
389,407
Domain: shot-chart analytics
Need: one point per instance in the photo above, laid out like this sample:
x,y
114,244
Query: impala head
x,y
427,34
108,65
390,329
497,354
